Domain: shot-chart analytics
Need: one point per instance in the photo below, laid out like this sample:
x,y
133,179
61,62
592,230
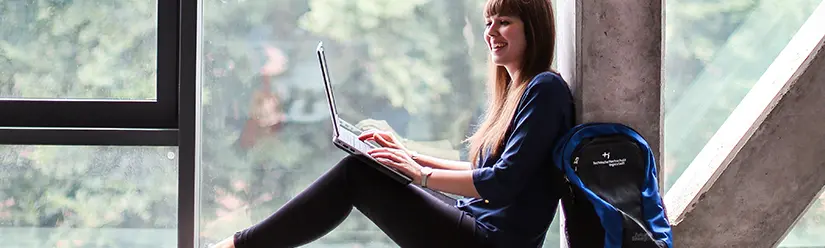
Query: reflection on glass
x,y
58,196
78,49
414,67
809,228
715,52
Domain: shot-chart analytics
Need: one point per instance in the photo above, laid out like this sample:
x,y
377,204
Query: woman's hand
x,y
397,159
228,242
384,139
370,124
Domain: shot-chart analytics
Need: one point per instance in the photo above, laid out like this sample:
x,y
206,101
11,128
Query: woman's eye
x,y
487,24
504,23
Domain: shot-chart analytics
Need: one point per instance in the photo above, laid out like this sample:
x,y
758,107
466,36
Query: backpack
x,y
612,189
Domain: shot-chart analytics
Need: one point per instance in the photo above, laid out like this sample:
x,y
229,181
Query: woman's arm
x,y
458,182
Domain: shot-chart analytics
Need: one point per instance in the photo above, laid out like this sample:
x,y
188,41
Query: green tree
x,y
99,187
78,49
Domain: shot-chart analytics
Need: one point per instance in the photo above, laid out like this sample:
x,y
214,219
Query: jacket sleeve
x,y
543,115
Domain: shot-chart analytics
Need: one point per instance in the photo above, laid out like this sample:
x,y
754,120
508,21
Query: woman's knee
x,y
351,164
356,168
349,160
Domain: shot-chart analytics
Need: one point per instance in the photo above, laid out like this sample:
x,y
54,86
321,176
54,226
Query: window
x,y
59,49
715,52
809,228
88,63
89,127
416,66
88,196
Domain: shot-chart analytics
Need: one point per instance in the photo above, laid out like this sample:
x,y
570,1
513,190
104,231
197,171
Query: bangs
x,y
502,8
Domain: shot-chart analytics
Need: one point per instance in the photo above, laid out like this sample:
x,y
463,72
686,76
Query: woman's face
x,y
505,40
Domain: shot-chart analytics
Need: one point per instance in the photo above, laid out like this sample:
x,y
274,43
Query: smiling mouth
x,y
497,46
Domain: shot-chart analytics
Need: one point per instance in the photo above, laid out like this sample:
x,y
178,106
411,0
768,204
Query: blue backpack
x,y
613,191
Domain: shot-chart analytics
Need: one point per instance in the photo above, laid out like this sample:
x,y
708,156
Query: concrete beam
x,y
761,183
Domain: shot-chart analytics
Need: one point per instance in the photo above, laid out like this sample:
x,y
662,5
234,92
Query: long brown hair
x,y
503,95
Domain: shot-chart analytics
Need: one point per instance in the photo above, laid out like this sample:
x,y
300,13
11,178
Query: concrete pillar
x,y
776,169
610,51
617,53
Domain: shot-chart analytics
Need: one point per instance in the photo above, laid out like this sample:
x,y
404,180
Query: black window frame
x,y
170,120
161,113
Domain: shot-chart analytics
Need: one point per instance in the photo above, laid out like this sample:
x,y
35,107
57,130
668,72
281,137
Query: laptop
x,y
345,135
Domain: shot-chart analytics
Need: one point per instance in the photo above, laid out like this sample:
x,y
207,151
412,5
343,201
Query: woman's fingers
x,y
391,150
389,162
368,134
398,152
402,166
398,166
384,139
385,142
372,133
392,138
395,158
388,155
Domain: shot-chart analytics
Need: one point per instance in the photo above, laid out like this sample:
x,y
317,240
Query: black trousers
x,y
409,215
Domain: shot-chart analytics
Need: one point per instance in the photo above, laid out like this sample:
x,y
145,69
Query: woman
x,y
510,184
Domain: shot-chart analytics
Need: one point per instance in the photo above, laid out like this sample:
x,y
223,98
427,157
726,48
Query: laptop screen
x,y
351,109
328,87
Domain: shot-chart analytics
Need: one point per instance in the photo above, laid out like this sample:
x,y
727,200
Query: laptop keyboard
x,y
359,145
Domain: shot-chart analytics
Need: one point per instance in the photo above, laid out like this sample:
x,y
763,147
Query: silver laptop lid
x,y
333,113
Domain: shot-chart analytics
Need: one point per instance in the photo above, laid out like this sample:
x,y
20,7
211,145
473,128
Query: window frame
x,y
167,121
161,113
189,119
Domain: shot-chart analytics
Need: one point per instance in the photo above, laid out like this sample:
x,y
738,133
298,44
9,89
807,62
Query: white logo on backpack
x,y
610,162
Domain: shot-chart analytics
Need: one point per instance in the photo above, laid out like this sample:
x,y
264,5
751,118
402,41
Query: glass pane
x,y
809,229
77,196
417,66
715,52
78,49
